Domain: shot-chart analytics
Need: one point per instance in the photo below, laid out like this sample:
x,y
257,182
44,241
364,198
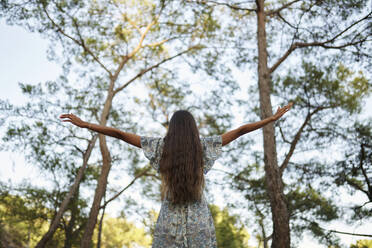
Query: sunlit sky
x,y
23,59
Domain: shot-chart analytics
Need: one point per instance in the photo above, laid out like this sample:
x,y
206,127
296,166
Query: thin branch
x,y
139,46
265,239
356,186
348,28
347,233
216,3
143,173
156,43
287,22
297,138
335,231
133,23
80,43
282,134
363,156
277,11
78,148
284,57
323,44
223,171
100,227
142,72
126,58
364,204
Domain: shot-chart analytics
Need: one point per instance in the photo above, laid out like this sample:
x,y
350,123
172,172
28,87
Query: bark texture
x,y
274,184
106,166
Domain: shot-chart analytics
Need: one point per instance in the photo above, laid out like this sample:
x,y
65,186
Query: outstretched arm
x,y
130,138
236,133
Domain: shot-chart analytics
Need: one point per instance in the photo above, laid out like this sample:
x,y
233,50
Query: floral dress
x,y
190,225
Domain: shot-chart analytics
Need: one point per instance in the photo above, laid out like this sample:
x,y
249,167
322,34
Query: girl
x,y
182,158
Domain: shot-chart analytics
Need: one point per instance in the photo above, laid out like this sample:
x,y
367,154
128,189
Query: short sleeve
x,y
152,148
212,151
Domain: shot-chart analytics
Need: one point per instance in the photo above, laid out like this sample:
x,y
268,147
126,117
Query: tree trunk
x,y
274,184
74,188
69,234
102,180
99,238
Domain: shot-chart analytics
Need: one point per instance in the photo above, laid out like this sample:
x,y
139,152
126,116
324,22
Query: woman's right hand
x,y
281,111
73,119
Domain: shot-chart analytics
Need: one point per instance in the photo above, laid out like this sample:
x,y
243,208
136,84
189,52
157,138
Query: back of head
x,y
181,164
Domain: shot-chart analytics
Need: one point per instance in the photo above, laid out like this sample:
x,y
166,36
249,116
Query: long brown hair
x,y
181,164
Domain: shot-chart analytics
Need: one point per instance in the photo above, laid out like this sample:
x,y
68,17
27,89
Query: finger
x,y
66,116
68,120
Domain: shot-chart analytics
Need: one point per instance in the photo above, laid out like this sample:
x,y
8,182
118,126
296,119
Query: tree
x,y
305,26
114,44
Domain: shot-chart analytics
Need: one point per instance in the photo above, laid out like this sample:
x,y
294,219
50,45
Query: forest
x,y
131,64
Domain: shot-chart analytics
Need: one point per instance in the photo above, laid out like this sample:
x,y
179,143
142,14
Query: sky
x,y
23,59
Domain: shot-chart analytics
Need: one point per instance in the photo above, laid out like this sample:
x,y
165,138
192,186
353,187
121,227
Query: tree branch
x,y
276,11
297,138
356,186
335,231
74,187
143,36
100,226
362,157
347,233
142,72
80,43
157,43
323,44
126,58
216,3
287,22
265,238
132,23
143,173
282,134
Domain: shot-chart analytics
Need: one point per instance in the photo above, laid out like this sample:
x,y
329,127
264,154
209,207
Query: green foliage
x,y
119,232
355,171
362,244
316,87
230,233
24,219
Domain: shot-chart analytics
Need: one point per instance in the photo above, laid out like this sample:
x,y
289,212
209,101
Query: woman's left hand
x,y
73,119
